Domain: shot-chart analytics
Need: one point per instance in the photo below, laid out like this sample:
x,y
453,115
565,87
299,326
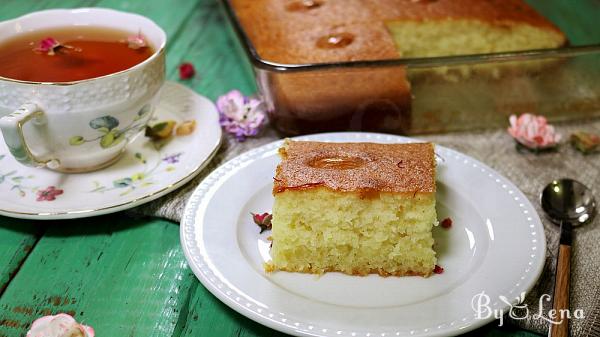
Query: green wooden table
x,y
126,276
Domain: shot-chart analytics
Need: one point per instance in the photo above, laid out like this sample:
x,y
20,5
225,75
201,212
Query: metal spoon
x,y
567,203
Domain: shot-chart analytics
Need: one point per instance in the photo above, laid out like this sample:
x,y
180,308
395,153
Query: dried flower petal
x,y
48,46
162,130
240,115
533,132
438,269
186,71
585,142
136,41
263,220
446,223
186,128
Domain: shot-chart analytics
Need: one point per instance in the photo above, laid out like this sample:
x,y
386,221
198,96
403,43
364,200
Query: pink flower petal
x,y
239,115
136,41
186,71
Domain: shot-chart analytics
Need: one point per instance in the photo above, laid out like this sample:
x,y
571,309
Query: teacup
x,y
82,125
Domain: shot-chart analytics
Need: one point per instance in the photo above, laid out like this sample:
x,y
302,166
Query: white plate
x,y
496,244
143,174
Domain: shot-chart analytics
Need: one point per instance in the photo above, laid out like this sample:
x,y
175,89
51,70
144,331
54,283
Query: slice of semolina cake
x,y
356,208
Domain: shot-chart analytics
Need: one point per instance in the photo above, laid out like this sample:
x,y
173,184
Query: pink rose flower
x,y
48,194
240,115
533,131
61,325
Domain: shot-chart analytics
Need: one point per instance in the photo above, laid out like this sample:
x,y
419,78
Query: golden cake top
x,y
356,167
316,31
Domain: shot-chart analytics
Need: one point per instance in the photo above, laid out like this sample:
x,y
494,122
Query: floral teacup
x,y
82,125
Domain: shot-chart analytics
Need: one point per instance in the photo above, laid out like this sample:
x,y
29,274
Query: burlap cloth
x,y
530,172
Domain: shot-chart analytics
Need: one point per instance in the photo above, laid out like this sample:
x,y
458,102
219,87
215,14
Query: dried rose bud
x,y
585,142
50,46
186,128
438,269
186,71
262,220
446,223
136,41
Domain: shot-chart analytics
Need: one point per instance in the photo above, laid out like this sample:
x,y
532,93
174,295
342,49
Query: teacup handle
x,y
12,130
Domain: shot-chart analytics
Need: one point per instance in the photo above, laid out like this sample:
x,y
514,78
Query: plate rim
x,y
198,197
137,201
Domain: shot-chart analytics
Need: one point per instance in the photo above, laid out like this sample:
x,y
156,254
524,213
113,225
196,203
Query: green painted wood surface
x,y
17,239
125,276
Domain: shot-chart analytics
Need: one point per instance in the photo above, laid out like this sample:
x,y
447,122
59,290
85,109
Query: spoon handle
x,y
561,285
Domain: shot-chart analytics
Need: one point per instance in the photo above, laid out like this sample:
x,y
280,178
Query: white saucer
x,y
143,173
496,248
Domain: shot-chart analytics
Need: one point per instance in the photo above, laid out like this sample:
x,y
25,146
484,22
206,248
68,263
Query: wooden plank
x,y
169,15
124,277
205,42
207,316
14,8
90,267
17,239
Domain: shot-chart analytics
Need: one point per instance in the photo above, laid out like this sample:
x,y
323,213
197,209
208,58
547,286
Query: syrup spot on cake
x,y
304,5
297,187
337,163
335,40
438,269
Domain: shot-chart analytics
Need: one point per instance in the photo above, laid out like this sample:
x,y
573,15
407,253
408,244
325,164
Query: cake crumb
x,y
269,267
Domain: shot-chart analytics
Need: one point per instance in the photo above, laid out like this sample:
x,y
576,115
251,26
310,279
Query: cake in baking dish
x,y
373,98
418,28
355,208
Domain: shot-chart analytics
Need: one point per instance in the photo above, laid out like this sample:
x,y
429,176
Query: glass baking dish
x,y
452,93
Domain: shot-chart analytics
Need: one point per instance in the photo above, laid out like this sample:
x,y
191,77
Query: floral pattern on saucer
x,y
149,168
20,185
109,134
143,178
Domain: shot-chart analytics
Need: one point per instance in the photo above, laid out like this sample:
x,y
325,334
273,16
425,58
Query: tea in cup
x,y
77,86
